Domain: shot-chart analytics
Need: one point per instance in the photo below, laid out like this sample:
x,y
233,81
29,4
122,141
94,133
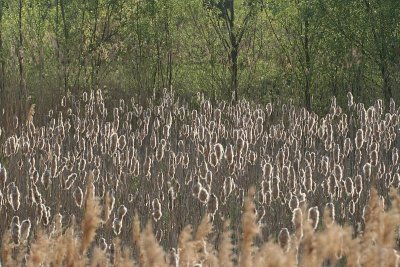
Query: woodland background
x,y
263,50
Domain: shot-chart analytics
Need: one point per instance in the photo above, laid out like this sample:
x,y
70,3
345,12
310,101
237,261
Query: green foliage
x,y
275,49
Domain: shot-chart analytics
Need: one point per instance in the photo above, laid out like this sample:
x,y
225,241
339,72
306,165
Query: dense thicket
x,y
305,49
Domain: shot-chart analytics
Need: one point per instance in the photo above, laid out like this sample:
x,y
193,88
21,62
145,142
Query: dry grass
x,y
166,185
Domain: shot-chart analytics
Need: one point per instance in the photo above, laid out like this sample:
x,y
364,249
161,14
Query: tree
x,y
223,18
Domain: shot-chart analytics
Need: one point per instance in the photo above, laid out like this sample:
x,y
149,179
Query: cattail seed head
x,y
373,157
359,140
78,196
25,229
229,154
352,207
121,212
14,198
103,244
203,195
293,203
329,213
46,179
350,100
308,181
297,221
332,185
15,230
196,188
117,226
212,204
157,215
395,156
349,187
3,176
313,217
275,187
267,171
367,170
284,239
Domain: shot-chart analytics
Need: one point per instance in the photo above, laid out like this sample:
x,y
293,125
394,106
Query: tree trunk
x,y
234,71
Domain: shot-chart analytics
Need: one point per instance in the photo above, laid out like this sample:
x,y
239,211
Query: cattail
x,y
367,170
313,217
350,100
121,142
373,157
136,168
44,214
156,204
293,203
336,153
117,225
173,258
332,185
159,235
347,146
308,181
213,159
219,151
284,239
275,187
3,176
46,179
267,171
297,221
358,157
212,204
69,181
358,184
329,213
338,172
81,165
157,215
352,207
196,188
171,198
15,230
147,166
14,197
396,180
203,195
103,244
78,196
395,156
229,154
280,158
114,143
25,229
349,187
159,152
359,140
121,212
35,176
324,166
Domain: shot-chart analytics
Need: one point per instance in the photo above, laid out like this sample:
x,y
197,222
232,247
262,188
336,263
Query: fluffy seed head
x,y
359,141
78,196
284,239
203,195
313,217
